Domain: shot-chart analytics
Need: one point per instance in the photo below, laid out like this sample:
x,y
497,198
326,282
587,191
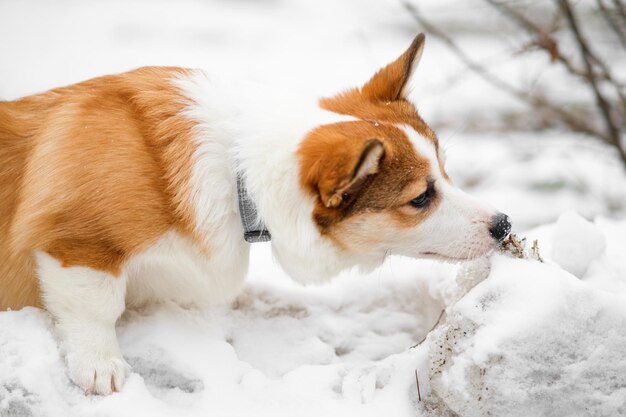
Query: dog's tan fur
x,y
91,174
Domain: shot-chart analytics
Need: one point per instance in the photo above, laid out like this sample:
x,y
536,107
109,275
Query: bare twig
x,y
417,382
621,9
534,251
547,42
572,121
514,246
589,57
620,32
592,73
544,39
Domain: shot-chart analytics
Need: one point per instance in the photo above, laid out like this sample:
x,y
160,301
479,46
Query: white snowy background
x,y
530,340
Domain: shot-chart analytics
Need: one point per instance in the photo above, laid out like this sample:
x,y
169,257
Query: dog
x,y
150,185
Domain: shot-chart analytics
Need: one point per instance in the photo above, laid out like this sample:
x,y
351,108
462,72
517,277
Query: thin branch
x,y
610,19
592,55
621,9
417,382
544,41
550,45
574,122
588,56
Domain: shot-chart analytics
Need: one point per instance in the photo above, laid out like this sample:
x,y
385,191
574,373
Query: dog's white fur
x,y
449,231
86,304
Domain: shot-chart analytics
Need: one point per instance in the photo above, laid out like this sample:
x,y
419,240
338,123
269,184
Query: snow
x,y
576,243
531,339
281,349
528,339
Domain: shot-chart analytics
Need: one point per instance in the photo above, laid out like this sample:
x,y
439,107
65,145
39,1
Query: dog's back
x,y
91,173
18,286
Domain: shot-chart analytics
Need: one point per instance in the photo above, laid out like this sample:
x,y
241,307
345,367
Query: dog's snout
x,y
500,226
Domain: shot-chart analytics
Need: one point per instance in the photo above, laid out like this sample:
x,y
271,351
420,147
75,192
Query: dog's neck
x,y
256,135
254,229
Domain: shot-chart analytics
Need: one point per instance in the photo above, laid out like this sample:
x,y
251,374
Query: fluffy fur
x,y
120,191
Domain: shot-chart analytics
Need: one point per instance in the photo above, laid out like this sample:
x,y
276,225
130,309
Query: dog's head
x,y
379,183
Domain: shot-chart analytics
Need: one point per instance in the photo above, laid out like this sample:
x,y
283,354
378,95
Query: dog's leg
x,y
85,304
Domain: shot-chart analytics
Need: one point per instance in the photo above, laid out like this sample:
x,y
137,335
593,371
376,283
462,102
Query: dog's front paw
x,y
98,374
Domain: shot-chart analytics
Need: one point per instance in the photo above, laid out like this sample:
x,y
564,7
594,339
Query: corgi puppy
x,y
149,185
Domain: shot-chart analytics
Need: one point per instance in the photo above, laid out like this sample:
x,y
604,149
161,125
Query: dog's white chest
x,y
174,269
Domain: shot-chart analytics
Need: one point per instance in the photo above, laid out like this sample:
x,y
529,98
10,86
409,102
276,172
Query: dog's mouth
x,y
440,257
447,258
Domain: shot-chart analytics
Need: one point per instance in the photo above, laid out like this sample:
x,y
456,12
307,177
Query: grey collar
x,y
253,228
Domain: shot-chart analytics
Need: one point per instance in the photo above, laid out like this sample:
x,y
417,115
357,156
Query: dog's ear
x,y
340,171
393,81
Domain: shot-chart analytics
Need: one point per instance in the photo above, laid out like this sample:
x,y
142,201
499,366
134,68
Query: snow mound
x,y
519,338
576,243
532,340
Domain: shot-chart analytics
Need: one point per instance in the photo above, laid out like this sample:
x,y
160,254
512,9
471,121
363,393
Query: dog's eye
x,y
420,201
423,199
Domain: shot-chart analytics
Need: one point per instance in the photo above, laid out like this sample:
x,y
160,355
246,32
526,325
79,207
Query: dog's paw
x,y
98,374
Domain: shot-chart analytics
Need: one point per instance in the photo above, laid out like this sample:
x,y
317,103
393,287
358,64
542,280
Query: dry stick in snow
x,y
417,382
573,121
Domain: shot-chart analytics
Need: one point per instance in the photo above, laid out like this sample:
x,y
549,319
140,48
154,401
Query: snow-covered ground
x,y
532,339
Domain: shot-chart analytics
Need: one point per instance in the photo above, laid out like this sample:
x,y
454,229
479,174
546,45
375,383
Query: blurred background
x,y
526,96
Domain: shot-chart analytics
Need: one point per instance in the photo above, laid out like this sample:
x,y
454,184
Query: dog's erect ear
x,y
349,173
341,170
393,81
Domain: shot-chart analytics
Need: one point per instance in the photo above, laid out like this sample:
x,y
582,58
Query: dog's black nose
x,y
500,226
